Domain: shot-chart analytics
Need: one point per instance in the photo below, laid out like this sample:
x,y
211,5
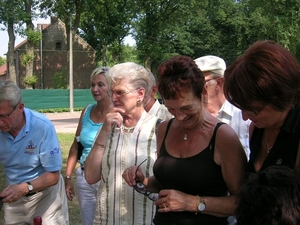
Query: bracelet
x,y
101,145
68,177
197,203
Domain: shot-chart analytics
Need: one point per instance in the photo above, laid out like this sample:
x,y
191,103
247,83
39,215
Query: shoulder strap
x,y
85,111
168,127
213,138
82,118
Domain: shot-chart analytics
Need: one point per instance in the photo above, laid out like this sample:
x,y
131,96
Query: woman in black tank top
x,y
201,162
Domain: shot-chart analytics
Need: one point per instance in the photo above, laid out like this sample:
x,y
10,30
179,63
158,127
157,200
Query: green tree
x,y
153,22
11,12
2,61
281,21
33,38
104,26
129,54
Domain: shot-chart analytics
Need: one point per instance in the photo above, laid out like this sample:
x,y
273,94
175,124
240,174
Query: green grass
x,y
65,140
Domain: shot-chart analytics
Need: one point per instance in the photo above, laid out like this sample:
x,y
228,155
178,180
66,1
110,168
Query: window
x,y
58,45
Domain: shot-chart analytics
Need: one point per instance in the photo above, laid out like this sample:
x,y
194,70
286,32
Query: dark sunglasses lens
x,y
153,196
140,187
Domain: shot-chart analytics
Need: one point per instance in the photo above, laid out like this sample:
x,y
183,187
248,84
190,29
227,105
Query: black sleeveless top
x,y
285,148
195,175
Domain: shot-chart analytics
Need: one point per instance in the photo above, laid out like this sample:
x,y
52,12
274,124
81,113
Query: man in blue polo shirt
x,y
31,156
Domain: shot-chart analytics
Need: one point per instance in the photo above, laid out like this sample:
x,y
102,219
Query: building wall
x,y
54,58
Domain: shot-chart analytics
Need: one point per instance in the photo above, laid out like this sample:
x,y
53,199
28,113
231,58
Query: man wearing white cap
x,y
213,68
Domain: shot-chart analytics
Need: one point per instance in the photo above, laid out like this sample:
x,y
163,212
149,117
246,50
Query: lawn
x,y
65,140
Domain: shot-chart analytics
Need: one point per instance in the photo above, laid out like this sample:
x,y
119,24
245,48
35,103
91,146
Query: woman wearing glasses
x,y
201,162
126,138
265,84
90,121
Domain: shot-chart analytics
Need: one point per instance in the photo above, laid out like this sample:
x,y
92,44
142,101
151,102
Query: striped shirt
x,y
117,202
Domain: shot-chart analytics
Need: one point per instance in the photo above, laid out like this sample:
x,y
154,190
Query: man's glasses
x,y
210,79
118,94
142,189
3,116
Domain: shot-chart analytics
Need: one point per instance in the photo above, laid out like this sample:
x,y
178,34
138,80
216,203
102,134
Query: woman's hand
x,y
175,201
69,189
114,118
133,174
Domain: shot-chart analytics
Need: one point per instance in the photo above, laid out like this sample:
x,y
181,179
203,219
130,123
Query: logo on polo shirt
x,y
30,148
55,151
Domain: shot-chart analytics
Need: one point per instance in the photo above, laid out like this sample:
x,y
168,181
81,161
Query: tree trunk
x,y
30,45
104,49
11,70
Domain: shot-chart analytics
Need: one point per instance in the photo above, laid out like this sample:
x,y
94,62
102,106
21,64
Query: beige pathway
x,y
64,122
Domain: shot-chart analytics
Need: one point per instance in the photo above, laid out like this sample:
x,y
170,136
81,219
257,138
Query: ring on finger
x,y
164,200
165,205
10,200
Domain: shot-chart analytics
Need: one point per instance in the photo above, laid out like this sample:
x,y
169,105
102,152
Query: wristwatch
x,y
201,205
30,187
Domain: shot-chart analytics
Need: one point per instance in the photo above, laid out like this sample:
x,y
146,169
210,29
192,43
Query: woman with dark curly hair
x,y
270,197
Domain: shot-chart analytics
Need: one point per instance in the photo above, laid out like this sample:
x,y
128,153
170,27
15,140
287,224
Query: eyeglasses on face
x,y
210,79
253,113
118,94
3,116
142,189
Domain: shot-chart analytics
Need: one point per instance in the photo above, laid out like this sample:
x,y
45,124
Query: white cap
x,y
211,63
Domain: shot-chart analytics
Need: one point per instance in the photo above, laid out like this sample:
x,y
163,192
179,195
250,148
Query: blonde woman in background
x,y
91,120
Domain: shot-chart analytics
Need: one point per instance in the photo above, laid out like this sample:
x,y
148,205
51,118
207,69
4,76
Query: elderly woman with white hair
x,y
126,138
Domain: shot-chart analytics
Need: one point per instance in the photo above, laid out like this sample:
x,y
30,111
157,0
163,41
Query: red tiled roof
x,y
3,69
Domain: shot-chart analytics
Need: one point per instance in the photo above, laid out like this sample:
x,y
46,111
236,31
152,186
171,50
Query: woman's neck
x,y
103,106
132,118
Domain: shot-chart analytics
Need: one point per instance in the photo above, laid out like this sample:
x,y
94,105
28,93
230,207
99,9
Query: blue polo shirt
x,y
34,151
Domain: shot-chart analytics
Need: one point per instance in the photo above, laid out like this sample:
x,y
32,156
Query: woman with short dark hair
x,y
200,159
265,84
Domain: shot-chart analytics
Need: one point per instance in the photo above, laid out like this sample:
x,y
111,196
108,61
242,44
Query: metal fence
x,y
37,99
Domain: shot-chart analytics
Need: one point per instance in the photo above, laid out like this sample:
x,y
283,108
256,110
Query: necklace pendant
x,y
185,137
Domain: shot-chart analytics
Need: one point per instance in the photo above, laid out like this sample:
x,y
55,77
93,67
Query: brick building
x,y
51,58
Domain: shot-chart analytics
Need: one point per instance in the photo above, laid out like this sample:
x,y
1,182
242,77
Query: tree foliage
x,y
163,28
2,61
105,24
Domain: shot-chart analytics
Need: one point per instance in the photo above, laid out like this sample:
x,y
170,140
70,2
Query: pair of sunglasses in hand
x,y
142,189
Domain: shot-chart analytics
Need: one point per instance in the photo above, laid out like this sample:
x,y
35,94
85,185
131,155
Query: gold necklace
x,y
269,148
127,129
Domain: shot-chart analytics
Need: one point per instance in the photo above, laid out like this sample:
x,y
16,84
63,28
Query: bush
x,y
58,110
30,80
